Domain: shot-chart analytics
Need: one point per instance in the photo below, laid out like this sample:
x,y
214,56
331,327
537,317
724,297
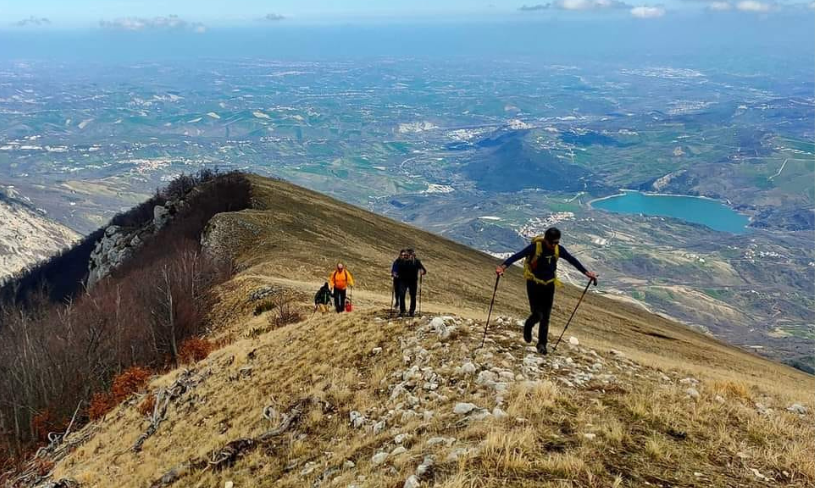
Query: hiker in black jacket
x,y
406,271
322,299
540,271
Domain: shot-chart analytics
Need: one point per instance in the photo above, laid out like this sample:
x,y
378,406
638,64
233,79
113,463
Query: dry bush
x,y
147,405
285,312
195,349
128,382
101,404
265,305
732,389
45,422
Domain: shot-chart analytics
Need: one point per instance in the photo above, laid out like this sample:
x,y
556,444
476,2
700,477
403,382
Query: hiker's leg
x,y
412,288
400,295
547,298
533,293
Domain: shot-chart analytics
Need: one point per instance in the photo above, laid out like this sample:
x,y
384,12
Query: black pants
x,y
541,298
402,287
339,300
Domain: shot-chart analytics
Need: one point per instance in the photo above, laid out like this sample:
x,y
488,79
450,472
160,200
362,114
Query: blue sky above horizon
x,y
200,15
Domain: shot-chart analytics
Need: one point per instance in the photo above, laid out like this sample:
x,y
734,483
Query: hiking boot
x,y
528,332
542,349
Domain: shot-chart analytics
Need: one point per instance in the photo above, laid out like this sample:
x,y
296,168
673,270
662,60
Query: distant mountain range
x,y
27,234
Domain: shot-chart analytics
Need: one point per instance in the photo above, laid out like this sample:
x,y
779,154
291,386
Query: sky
x,y
144,30
203,14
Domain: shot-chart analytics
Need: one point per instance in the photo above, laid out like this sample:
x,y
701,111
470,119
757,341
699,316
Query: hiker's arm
x,y
577,264
422,269
530,249
394,268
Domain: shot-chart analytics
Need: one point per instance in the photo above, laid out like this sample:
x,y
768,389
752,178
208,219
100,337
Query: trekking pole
x,y
421,276
489,314
393,296
591,280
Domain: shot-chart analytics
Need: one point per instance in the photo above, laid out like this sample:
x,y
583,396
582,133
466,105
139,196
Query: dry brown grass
x,y
646,431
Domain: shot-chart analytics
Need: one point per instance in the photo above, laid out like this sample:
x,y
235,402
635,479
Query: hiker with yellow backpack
x,y
540,271
340,280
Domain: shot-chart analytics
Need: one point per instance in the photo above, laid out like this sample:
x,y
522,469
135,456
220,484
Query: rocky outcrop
x,y
119,243
226,234
113,249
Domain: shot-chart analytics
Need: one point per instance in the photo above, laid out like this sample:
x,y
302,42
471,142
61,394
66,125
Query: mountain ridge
x,y
27,236
343,400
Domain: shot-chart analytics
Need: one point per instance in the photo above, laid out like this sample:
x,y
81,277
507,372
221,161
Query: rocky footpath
x,y
443,379
417,403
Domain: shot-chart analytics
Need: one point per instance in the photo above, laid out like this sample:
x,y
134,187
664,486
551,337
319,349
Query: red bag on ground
x,y
348,306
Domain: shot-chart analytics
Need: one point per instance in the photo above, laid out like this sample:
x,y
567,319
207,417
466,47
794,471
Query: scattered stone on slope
x,y
402,438
464,408
357,419
379,458
448,441
797,408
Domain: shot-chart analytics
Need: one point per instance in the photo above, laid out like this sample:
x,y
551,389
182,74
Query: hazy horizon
x,y
554,39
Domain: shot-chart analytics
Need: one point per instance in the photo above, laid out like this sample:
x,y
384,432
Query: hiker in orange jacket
x,y
340,280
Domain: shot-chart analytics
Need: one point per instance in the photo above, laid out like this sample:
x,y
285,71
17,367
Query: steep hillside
x,y
365,400
27,236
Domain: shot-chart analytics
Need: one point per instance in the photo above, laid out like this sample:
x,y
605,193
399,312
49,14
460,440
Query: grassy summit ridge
x,y
362,400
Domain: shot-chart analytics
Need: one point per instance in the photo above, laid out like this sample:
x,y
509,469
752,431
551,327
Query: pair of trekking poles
x,y
492,302
393,296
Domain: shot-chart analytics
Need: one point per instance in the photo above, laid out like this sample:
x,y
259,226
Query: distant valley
x,y
486,157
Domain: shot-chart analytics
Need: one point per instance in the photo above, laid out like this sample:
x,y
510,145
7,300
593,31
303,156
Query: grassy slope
x,y
646,427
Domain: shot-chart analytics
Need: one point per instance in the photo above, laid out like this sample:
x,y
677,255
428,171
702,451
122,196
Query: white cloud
x,y
273,17
588,4
36,21
577,5
136,24
644,12
753,6
720,6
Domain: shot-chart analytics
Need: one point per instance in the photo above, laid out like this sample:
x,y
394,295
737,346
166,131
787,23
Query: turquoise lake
x,y
710,213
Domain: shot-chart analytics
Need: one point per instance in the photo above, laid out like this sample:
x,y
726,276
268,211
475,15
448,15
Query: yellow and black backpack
x,y
532,262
